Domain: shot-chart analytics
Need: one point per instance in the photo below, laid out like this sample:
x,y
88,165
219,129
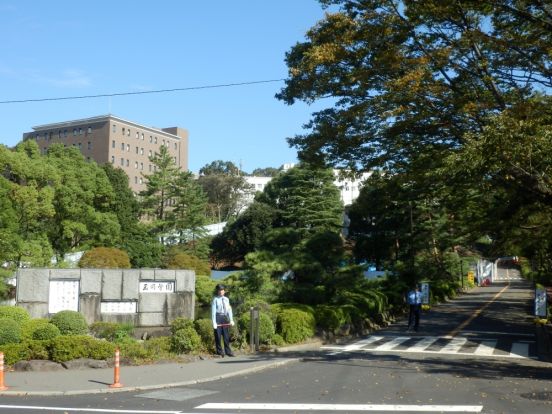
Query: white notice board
x,y
64,295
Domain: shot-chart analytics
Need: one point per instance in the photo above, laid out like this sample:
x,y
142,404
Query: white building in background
x,y
348,186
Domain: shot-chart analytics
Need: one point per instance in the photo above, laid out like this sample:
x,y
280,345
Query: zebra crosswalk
x,y
498,347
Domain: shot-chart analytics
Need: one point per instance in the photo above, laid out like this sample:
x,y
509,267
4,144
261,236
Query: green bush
x,y
28,327
176,258
266,327
330,318
111,331
70,323
36,349
278,340
105,258
204,328
204,287
10,332
158,347
66,348
14,313
14,353
133,350
185,340
181,323
46,332
295,325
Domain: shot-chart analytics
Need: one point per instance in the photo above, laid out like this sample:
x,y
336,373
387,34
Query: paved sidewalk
x,y
144,377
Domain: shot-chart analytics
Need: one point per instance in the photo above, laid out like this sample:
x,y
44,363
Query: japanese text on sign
x,y
156,287
63,295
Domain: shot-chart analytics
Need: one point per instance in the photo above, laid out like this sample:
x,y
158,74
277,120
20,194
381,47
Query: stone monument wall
x,y
142,297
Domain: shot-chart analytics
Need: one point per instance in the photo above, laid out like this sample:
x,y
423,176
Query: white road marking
x,y
485,348
423,344
392,344
88,410
344,407
453,346
520,350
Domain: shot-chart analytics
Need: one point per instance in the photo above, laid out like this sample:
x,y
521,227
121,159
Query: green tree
x,y
82,201
143,248
225,187
265,172
157,197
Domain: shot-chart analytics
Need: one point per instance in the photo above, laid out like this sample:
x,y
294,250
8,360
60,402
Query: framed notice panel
x,y
64,295
118,307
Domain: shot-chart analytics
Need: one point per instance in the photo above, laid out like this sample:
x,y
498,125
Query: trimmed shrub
x,y
14,353
278,340
266,327
133,350
179,259
204,328
111,331
181,323
185,340
10,332
330,318
36,349
105,258
158,347
46,332
28,327
295,325
70,323
14,313
66,348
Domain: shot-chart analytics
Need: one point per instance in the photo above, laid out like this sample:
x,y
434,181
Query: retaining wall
x,y
142,297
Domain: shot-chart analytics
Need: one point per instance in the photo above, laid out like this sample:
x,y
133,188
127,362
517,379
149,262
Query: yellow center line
x,y
455,331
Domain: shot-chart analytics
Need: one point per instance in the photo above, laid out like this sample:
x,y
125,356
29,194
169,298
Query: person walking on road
x,y
414,300
221,315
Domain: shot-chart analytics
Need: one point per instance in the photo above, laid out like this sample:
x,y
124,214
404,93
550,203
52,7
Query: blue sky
x,y
65,48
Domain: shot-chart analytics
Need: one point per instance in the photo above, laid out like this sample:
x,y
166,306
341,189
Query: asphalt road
x,y
474,354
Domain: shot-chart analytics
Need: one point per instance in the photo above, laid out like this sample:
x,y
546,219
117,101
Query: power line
x,y
104,95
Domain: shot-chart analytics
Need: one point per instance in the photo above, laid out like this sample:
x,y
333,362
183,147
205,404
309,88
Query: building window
x,y
149,167
122,146
89,130
113,144
141,181
88,159
150,153
142,136
128,147
89,145
127,162
151,138
136,150
113,159
141,165
141,151
80,146
128,132
136,165
137,135
135,180
59,133
155,140
122,162
80,131
175,146
74,132
65,133
114,128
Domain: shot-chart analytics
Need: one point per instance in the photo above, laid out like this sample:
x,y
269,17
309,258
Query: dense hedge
x,y
70,323
45,332
28,327
10,331
204,328
111,331
15,313
105,258
65,348
266,327
295,324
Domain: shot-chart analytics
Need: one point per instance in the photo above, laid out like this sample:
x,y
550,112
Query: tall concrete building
x,y
125,144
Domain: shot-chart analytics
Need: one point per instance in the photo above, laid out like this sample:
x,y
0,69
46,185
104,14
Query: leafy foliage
x,y
15,313
105,258
10,331
70,322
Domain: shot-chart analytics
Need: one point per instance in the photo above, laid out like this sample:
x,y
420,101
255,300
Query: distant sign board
x,y
424,288
156,287
118,307
540,303
63,295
